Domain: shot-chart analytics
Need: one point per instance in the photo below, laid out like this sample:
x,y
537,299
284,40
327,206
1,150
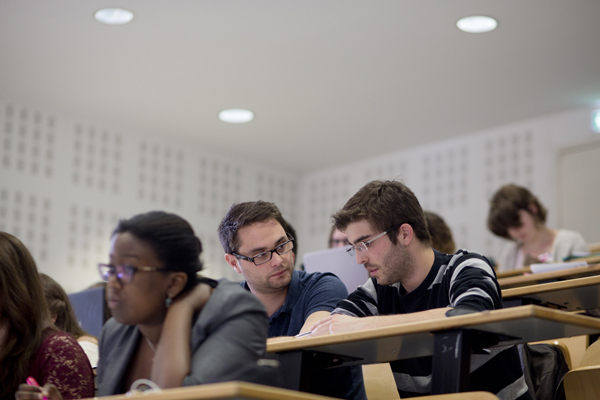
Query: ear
x,y
177,282
405,234
233,261
533,209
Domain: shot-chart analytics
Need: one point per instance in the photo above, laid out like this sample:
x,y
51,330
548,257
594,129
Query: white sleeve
x,y
91,351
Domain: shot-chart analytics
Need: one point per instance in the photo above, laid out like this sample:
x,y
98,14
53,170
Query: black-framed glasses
x,y
266,256
123,273
362,247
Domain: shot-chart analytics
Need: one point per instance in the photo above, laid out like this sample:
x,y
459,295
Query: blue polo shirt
x,y
309,293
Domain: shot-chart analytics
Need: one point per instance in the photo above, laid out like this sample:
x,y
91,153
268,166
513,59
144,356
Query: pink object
x,y
32,382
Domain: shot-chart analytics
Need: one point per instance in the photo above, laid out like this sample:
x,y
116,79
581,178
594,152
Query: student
x,y
169,325
257,246
410,281
441,235
516,214
64,318
30,346
337,238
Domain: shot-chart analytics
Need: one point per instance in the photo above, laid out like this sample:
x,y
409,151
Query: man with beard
x,y
410,282
258,247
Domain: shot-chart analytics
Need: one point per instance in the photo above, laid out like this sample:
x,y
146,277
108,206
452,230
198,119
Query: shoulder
x,y
55,340
59,347
114,333
232,297
318,278
569,236
465,260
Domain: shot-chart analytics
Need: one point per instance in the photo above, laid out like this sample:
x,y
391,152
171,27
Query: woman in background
x,y
441,235
30,345
337,238
64,318
516,214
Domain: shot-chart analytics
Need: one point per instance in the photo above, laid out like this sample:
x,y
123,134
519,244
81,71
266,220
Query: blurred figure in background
x,y
516,214
441,235
337,238
64,318
30,345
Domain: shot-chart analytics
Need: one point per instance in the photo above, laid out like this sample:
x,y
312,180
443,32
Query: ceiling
x,y
330,81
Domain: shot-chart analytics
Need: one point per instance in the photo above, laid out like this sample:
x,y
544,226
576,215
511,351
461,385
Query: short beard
x,y
400,264
268,288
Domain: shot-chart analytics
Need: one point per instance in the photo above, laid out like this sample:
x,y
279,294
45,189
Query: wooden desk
x,y
227,390
449,340
513,272
524,280
570,295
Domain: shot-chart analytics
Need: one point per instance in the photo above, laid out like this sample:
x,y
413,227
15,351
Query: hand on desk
x,y
338,324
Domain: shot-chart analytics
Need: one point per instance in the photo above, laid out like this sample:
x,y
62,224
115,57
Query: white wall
x,y
455,177
65,181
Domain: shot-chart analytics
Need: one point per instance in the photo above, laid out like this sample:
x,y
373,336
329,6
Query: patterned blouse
x,y
61,361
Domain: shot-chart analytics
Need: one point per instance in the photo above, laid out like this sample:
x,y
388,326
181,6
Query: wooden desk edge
x,y
550,287
438,324
528,279
225,390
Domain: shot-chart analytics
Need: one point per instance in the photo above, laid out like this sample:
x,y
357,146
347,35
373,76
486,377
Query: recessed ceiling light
x,y
236,115
477,24
113,16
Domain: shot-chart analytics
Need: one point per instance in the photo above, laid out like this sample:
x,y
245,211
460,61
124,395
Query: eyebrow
x,y
362,239
259,250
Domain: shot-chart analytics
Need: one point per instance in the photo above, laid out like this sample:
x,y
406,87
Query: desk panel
x,y
532,279
511,325
571,295
227,390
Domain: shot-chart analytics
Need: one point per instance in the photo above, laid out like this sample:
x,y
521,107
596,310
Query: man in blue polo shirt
x,y
258,247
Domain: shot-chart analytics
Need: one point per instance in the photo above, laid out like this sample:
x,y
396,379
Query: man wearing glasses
x,y
258,247
410,282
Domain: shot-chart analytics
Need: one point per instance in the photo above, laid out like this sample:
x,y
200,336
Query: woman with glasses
x,y
169,325
32,349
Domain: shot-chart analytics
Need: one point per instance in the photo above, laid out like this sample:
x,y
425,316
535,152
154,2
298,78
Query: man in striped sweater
x,y
410,282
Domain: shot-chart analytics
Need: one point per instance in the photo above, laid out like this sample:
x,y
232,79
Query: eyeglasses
x,y
362,247
123,273
337,242
266,256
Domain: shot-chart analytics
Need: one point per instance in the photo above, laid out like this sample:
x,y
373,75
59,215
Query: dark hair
x,y
244,214
505,206
384,204
171,237
441,235
331,232
23,305
290,229
60,306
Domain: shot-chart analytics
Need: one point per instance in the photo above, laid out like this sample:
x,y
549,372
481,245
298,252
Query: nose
x,y
361,258
113,281
276,260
